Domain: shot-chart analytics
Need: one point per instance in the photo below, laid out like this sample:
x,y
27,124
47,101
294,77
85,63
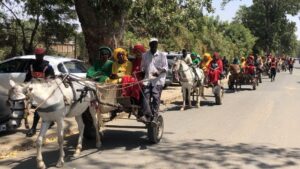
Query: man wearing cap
x,y
154,65
38,69
102,67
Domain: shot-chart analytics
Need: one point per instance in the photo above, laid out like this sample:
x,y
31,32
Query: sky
x,y
228,13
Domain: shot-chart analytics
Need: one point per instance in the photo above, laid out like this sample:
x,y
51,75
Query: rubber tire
x,y
89,129
154,133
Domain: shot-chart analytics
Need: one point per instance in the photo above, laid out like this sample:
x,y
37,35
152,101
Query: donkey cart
x,y
112,105
242,79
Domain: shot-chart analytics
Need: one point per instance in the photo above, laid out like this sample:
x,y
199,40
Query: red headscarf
x,y
139,48
216,55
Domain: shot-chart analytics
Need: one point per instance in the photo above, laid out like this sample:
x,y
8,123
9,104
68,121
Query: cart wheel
x,y
156,130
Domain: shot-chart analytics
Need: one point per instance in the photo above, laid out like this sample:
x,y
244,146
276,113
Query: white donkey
x,y
191,80
56,100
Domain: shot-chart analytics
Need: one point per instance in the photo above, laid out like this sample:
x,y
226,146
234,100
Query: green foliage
x,y
31,22
267,20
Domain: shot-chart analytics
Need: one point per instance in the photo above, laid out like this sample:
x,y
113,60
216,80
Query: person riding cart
x,y
215,69
154,65
250,66
38,69
102,67
195,59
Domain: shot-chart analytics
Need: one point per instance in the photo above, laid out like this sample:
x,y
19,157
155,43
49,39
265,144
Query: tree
x,y
103,22
29,15
267,20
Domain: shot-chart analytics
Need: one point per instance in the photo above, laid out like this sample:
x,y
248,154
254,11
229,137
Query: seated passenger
x,y
195,59
205,62
215,69
234,68
101,70
121,66
249,66
138,50
122,74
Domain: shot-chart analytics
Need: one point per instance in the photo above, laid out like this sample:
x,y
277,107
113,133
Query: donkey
x,y
56,100
191,80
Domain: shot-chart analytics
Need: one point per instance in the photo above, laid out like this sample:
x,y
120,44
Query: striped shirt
x,y
154,64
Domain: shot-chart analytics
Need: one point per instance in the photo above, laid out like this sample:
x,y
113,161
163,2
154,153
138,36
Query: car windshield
x,y
75,67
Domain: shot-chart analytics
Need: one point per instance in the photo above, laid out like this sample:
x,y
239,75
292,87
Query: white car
x,y
15,68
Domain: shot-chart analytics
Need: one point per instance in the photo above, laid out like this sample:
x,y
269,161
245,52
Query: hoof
x,y
60,164
197,106
77,153
98,145
182,108
41,165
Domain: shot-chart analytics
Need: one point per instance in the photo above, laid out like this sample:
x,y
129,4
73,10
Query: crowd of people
x,y
147,71
142,79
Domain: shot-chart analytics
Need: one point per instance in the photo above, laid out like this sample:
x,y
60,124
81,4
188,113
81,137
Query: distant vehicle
x,y
171,60
15,68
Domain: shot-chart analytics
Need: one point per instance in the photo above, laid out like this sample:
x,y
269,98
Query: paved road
x,y
252,129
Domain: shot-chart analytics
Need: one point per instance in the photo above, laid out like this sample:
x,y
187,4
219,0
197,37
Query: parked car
x,y
15,69
171,59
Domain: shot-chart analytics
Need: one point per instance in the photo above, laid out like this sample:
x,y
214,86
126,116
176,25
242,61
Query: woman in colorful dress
x,y
101,70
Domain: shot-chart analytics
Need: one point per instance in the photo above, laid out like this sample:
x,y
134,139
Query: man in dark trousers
x,y
155,66
39,68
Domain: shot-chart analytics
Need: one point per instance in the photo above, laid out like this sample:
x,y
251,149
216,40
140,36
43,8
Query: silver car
x,y
15,69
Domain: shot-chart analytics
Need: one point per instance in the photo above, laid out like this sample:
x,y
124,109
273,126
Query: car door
x,y
14,69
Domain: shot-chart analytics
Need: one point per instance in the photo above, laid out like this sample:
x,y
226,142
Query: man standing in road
x,y
38,69
154,65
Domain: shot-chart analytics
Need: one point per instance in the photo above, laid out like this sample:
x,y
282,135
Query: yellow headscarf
x,y
120,50
206,60
243,62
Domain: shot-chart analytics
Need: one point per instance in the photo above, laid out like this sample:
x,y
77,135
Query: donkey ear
x,y
12,83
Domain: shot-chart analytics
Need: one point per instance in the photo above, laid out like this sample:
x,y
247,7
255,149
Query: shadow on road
x,y
204,153
197,153
111,139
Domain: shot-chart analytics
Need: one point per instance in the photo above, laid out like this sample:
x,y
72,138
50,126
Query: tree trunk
x,y
102,24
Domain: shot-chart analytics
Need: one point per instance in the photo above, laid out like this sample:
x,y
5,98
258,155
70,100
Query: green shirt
x,y
100,72
196,61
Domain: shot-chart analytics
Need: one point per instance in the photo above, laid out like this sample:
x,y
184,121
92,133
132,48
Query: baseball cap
x,y
153,40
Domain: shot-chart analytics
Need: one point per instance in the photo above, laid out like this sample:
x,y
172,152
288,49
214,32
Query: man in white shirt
x,y
154,65
186,57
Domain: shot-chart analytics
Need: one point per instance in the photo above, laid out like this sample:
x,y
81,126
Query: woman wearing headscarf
x,y
243,63
122,73
249,65
121,66
215,69
102,67
137,51
195,59
205,62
